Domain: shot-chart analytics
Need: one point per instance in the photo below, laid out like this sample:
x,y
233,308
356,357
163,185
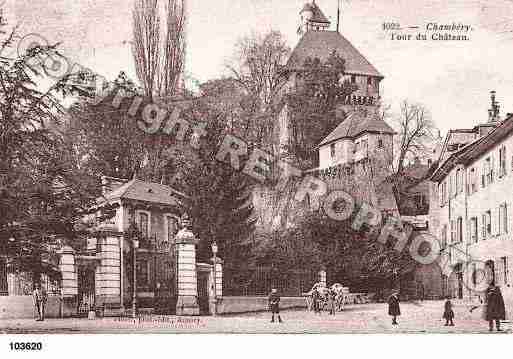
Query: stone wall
x,y
22,306
231,305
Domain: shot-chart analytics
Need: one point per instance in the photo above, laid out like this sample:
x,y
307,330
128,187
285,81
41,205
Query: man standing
x,y
274,304
40,297
495,310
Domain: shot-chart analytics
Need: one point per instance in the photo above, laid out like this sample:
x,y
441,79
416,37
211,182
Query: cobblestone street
x,y
424,317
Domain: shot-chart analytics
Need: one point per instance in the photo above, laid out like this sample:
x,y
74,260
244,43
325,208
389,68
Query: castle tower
x,y
318,41
312,18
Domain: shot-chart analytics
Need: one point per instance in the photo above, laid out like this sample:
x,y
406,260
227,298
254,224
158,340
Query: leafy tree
x,y
313,105
44,195
220,196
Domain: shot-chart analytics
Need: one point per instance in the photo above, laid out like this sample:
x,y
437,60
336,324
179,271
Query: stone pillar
x,y
322,277
109,274
69,272
187,302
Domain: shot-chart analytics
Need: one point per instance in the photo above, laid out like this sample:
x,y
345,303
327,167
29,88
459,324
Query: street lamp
x,y
214,252
135,245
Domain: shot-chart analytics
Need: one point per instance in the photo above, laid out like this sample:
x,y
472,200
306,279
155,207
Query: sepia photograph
x,y
255,167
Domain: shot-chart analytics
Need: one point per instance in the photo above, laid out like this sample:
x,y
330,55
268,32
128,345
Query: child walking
x,y
394,309
448,313
274,304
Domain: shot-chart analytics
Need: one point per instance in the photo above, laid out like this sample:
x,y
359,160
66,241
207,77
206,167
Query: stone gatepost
x,y
109,270
187,302
69,272
322,277
69,283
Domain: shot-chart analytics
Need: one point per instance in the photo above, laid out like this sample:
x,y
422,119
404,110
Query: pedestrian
x,y
494,309
39,297
274,304
448,313
316,300
332,295
393,307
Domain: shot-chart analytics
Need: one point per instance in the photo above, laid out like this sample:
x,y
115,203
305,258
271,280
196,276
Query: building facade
x,y
471,206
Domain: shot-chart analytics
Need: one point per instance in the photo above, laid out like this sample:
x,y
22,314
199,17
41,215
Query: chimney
x,y
493,112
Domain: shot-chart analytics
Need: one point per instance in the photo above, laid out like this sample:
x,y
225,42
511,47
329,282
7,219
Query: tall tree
x,y
221,197
159,45
44,195
257,69
416,133
314,105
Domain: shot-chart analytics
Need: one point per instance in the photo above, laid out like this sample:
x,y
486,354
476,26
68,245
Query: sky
x,y
452,79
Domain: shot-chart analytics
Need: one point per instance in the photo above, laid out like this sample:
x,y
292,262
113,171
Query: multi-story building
x,y
471,202
319,42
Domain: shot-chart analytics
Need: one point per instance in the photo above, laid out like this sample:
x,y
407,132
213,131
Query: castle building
x,y
317,41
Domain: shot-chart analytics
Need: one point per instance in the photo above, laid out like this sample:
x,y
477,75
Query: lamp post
x,y
214,252
135,245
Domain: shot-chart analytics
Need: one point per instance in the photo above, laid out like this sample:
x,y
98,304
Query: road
x,y
417,317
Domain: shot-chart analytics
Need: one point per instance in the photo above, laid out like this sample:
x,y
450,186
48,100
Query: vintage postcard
x,y
255,166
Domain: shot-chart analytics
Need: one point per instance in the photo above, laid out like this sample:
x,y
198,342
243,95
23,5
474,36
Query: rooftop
x,y
357,123
318,15
321,44
148,192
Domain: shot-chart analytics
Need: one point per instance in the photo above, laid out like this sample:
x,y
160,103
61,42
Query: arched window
x,y
171,228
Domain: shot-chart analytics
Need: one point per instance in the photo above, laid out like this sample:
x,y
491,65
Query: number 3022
x,y
26,346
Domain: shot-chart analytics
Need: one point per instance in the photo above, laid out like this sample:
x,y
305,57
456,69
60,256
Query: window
x,y
380,143
483,175
505,269
473,180
502,161
353,79
458,182
489,170
143,223
171,228
364,145
459,230
483,226
332,150
369,81
453,231
444,236
473,230
503,219
488,221
420,200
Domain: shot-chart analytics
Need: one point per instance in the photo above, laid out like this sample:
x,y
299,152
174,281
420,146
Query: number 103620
x,y
26,346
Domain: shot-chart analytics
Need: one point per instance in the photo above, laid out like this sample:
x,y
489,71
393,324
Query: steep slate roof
x,y
355,124
474,150
320,44
148,192
318,15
